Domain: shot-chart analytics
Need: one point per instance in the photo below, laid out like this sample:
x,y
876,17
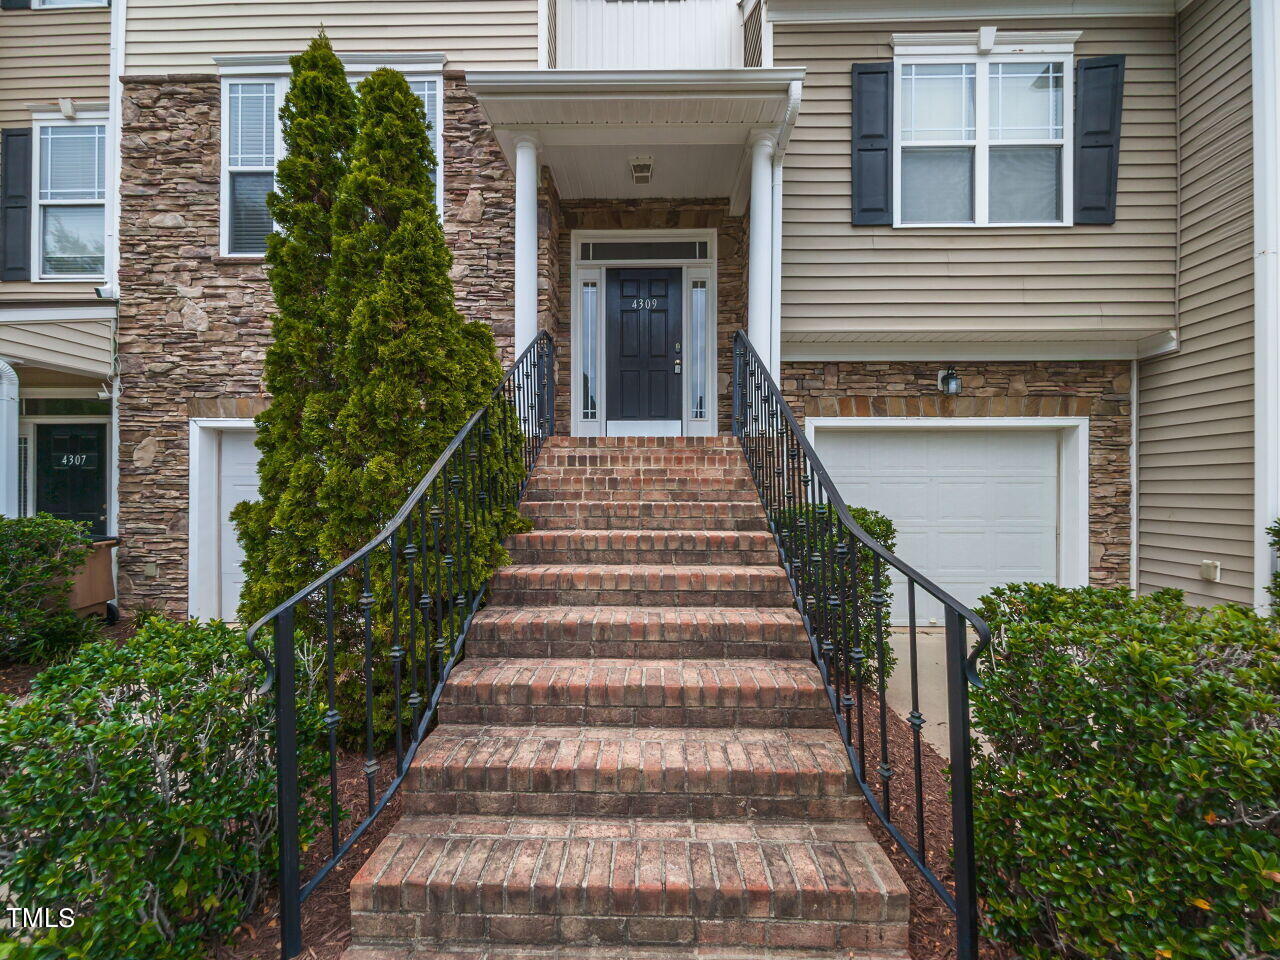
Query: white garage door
x,y
974,508
237,481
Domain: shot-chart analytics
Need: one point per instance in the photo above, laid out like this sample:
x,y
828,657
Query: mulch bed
x,y
15,678
326,916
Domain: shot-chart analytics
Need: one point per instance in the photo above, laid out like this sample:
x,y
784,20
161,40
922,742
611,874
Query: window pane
x,y
72,162
426,89
937,101
937,185
1025,184
590,347
1026,101
250,219
72,241
252,125
698,353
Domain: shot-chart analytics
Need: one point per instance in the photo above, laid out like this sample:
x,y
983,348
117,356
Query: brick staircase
x,y
637,759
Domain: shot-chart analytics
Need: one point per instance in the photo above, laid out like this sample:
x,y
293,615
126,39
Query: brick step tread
x,y
645,514
718,492
646,469
683,460
638,631
744,547
637,683
701,772
525,951
596,867
629,584
594,478
643,443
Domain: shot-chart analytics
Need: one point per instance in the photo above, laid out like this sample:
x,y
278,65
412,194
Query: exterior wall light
x,y
949,382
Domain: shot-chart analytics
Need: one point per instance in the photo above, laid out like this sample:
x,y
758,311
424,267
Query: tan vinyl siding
x,y
1046,282
49,292
752,37
1195,453
83,346
182,36
49,54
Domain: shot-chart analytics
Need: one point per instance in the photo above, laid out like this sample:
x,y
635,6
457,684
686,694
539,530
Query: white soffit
x,y
855,11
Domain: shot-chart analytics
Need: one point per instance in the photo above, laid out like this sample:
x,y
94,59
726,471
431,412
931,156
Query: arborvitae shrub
x,y
1127,788
280,533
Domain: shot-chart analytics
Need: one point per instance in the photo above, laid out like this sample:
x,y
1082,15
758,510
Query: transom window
x,y
252,136
70,221
982,140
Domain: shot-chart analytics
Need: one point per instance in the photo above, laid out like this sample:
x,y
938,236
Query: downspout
x,y
1266,281
8,440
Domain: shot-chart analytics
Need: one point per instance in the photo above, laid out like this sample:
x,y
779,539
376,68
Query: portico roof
x,y
695,124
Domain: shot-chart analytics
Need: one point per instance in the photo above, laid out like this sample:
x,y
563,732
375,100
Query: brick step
x,y
646,470
728,460
641,585
646,445
707,773
750,548
654,693
718,491
524,951
594,881
644,515
650,632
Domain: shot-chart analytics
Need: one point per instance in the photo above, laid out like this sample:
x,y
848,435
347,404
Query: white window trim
x,y
38,5
594,271
983,48
268,68
82,118
1073,471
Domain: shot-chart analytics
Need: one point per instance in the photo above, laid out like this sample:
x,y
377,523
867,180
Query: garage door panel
x,y
973,508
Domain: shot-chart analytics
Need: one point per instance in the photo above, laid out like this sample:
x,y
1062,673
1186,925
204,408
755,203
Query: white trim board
x,y
870,11
978,351
203,574
1073,471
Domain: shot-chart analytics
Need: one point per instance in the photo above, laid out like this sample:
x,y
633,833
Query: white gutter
x,y
536,84
1266,282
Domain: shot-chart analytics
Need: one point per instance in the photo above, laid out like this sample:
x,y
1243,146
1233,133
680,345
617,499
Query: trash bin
x,y
93,588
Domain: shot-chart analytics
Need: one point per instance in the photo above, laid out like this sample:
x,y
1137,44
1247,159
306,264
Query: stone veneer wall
x,y
194,326
1098,390
731,274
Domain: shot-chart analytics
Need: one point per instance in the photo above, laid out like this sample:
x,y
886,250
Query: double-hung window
x,y
983,140
251,133
252,145
70,191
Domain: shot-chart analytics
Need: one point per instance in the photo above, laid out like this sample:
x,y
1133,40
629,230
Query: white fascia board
x,y
680,83
106,311
277,64
879,11
961,351
966,43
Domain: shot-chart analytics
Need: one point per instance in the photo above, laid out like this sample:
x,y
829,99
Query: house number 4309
x,y
648,303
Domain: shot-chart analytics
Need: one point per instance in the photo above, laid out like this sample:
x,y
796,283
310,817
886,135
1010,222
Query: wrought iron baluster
x,y
331,716
370,757
880,600
915,719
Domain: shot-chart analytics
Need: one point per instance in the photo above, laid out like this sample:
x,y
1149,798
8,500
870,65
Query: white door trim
x,y
1073,471
702,270
203,559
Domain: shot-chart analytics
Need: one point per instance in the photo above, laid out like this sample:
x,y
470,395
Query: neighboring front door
x,y
643,350
71,472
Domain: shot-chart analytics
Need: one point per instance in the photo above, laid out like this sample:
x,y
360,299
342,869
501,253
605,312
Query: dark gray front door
x,y
71,472
642,343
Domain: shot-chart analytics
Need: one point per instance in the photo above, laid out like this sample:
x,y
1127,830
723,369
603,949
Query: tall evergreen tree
x,y
280,533
415,369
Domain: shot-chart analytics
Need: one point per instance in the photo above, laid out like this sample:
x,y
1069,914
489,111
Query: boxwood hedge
x,y
38,555
1128,783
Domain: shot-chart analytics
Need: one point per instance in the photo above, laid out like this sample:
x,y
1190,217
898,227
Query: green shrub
x,y
38,556
1273,588
814,527
137,786
1127,800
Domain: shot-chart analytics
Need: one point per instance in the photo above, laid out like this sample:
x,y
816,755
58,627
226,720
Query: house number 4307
x,y
646,303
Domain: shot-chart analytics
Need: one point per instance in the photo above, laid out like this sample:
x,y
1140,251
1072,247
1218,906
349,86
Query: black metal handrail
x,y
838,571
399,608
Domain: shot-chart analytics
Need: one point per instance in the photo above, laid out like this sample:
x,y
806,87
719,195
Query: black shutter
x,y
872,144
15,4
15,204
1099,103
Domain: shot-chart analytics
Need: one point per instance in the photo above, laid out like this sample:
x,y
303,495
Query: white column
x,y
1266,280
760,250
526,316
8,441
